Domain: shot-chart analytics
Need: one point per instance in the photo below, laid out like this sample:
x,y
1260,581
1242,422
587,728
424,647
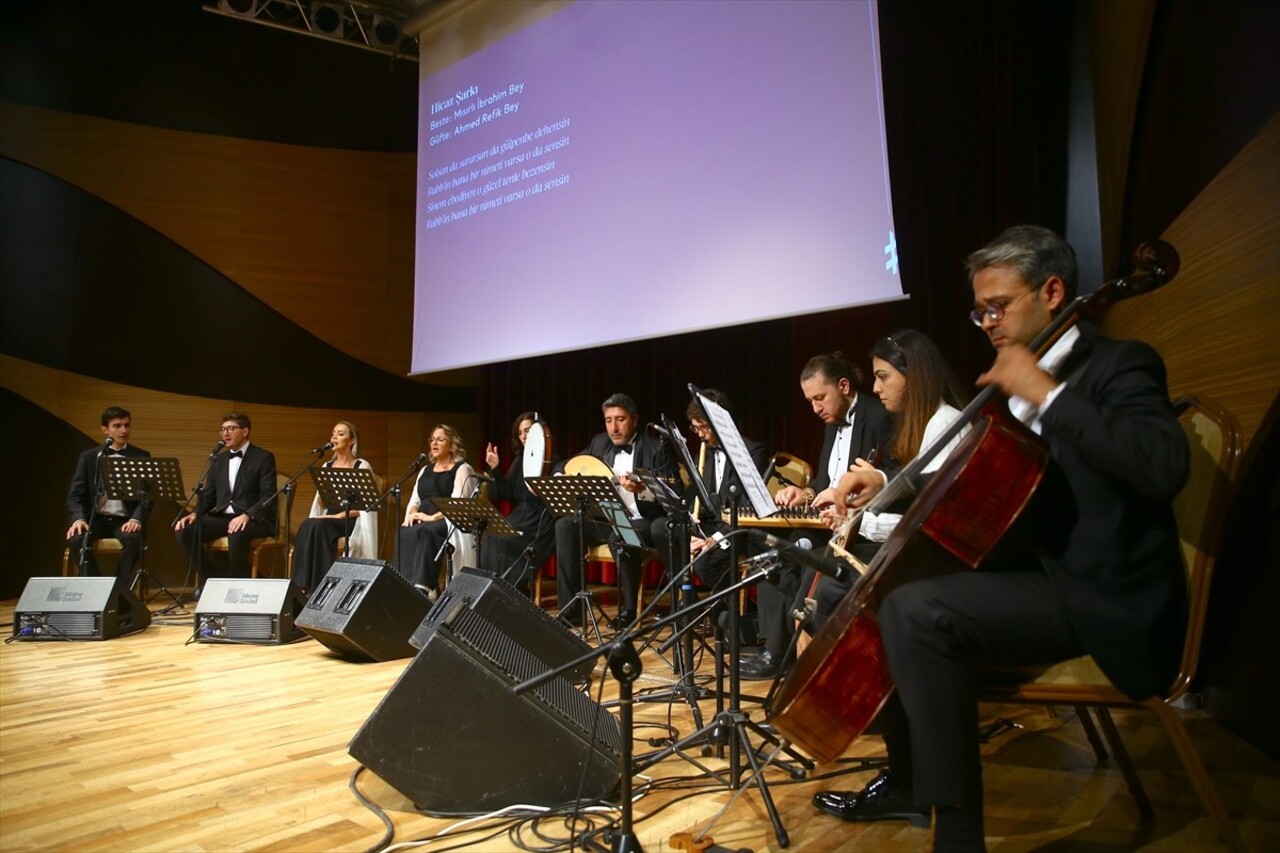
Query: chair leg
x,y
1091,732
1196,771
1131,779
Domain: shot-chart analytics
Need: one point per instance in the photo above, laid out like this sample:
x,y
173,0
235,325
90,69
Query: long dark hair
x,y
517,447
930,382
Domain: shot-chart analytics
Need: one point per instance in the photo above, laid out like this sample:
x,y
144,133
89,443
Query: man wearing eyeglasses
x,y
234,501
721,480
1104,577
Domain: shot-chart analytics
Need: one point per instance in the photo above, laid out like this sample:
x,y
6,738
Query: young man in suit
x,y
95,517
623,447
721,479
234,501
1105,577
856,425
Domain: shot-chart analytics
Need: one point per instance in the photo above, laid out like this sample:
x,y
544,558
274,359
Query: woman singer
x,y
425,529
318,535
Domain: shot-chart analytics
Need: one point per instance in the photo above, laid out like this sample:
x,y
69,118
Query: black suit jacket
x,y
759,456
872,430
648,453
255,483
1120,456
86,481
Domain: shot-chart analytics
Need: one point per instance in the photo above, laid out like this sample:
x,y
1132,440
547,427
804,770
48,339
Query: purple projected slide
x,y
624,170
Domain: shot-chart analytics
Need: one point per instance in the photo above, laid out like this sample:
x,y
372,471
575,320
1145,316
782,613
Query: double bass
x,y
841,680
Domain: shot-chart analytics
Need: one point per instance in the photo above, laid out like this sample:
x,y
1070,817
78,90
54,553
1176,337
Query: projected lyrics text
x,y
518,168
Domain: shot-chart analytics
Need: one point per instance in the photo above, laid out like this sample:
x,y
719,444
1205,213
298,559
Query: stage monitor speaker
x,y
365,609
77,608
248,610
453,736
502,604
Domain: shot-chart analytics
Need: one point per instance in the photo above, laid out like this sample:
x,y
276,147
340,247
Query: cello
x,y
841,680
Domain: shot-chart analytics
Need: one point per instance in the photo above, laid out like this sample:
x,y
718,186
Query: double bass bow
x,y
841,680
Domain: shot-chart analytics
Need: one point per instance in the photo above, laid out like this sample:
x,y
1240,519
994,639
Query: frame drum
x,y
537,450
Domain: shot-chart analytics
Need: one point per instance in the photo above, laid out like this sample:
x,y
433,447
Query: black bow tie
x,y
236,454
622,448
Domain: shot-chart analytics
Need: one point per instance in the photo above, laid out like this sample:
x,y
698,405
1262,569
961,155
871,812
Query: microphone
x,y
768,559
484,478
417,463
659,428
772,471
324,448
217,447
106,445
802,552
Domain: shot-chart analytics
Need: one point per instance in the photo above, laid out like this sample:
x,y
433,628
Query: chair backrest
x,y
1201,508
282,501
793,468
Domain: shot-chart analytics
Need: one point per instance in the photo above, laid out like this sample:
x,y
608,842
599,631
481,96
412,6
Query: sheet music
x,y
731,441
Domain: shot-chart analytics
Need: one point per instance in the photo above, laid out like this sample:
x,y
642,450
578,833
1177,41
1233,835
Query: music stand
x,y
347,488
143,478
476,516
575,496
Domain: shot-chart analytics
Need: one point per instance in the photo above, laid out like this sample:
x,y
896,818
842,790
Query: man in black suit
x,y
92,515
721,480
234,501
856,426
1106,576
623,448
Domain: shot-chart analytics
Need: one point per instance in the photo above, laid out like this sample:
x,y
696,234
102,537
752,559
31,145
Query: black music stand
x,y
578,496
149,479
732,721
348,489
475,516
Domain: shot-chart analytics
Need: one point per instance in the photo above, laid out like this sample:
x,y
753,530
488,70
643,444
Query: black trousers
x,y
107,527
935,632
570,556
210,527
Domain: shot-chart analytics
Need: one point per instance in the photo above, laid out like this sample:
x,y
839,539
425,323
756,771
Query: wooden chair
x,y
793,468
1200,508
266,545
106,545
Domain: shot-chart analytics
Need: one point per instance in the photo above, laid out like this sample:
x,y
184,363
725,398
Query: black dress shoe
x,y
878,801
624,619
761,667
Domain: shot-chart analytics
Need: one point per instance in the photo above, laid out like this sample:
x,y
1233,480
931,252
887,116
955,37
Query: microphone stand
x,y
197,542
287,490
394,489
625,665
98,488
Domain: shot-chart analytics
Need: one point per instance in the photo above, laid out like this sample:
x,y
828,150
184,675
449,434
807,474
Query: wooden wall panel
x,y
187,426
308,231
1218,323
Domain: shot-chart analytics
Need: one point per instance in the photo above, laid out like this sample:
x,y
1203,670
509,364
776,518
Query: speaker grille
x,y
558,694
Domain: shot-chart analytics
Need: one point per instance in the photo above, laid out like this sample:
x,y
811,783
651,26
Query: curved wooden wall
x,y
1218,323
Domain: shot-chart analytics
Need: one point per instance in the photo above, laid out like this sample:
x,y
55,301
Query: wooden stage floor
x,y
146,743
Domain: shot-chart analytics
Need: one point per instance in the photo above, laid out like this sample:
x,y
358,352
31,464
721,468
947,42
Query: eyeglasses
x,y
700,428
995,311
229,428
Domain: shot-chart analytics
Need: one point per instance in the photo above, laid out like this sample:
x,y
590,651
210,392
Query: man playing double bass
x,y
1106,578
